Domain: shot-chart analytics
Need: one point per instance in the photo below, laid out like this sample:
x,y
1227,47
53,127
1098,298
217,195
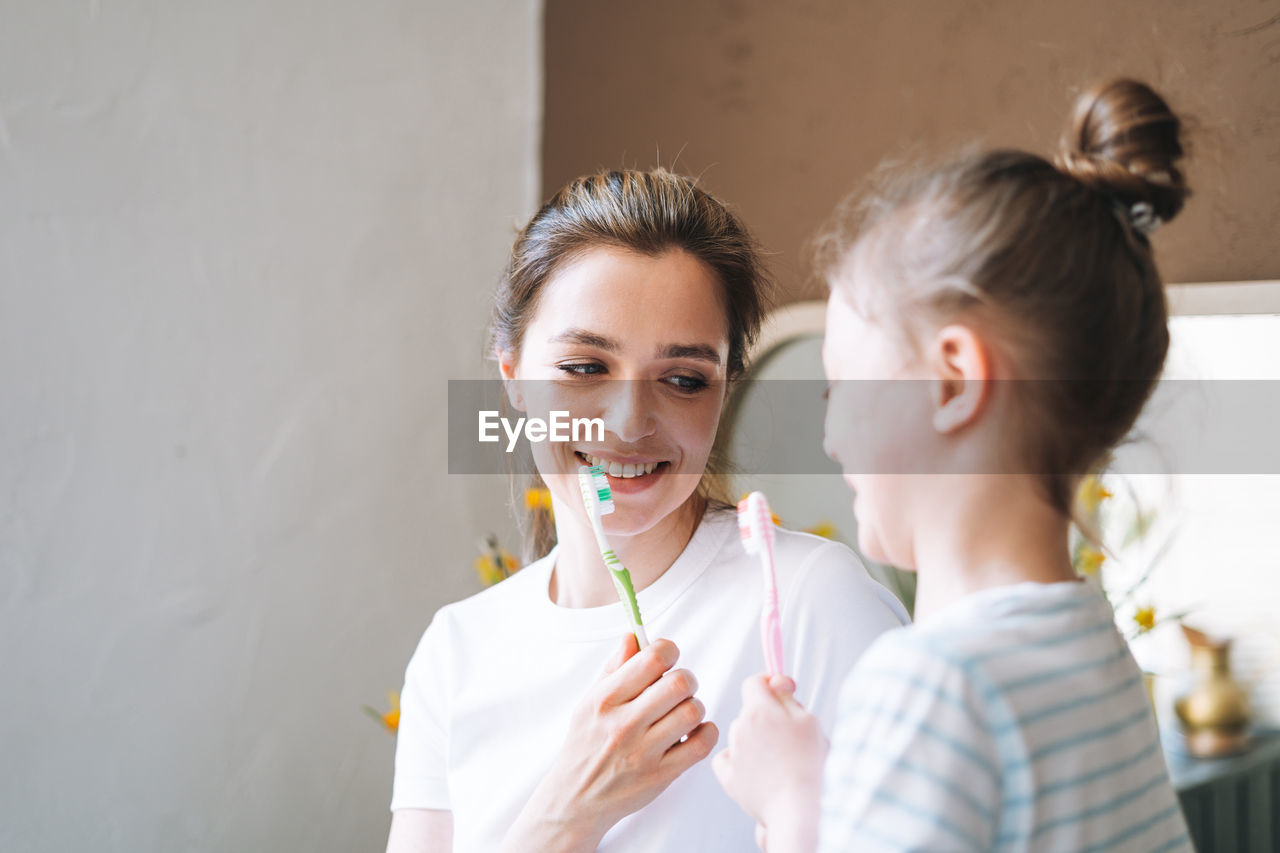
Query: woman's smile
x,y
629,477
626,469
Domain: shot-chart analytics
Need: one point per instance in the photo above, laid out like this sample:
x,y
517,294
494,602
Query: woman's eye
x,y
582,368
688,384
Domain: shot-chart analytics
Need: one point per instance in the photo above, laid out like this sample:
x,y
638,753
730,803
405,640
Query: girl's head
x,y
1004,265
641,277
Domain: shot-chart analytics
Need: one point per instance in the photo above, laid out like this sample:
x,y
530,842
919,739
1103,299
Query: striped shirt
x,y
1015,719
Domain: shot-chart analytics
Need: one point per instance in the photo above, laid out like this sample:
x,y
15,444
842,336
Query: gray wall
x,y
242,247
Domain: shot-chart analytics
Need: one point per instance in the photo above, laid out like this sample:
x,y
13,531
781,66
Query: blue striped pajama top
x,y
1014,719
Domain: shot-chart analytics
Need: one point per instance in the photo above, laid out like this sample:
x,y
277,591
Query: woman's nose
x,y
630,414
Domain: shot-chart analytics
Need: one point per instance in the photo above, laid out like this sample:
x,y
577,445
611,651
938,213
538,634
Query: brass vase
x,y
1215,711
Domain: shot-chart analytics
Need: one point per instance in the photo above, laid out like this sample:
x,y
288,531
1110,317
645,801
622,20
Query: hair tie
x,y
1141,216
1093,172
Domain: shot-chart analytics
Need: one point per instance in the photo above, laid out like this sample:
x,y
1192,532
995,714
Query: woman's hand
x,y
773,765
624,748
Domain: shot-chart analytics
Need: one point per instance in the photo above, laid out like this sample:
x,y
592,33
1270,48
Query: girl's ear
x,y
507,367
961,367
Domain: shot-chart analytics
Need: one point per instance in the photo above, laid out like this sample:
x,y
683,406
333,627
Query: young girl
x,y
1011,716
632,297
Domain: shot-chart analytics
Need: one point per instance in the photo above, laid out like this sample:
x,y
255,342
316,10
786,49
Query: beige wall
x,y
781,107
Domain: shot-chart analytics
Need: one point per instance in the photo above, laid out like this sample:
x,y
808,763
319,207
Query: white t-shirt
x,y
489,692
1016,719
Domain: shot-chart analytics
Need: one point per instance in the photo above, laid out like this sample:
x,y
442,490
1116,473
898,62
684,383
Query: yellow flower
x,y
490,570
391,719
1091,493
1146,619
538,499
1089,560
825,529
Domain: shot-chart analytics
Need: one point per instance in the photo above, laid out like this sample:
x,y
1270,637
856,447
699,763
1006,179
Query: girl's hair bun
x,y
1124,142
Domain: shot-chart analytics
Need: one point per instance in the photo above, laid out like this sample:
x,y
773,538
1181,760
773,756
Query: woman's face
x,y
640,342
876,407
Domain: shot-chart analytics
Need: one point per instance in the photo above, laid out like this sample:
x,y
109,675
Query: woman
x,y
526,724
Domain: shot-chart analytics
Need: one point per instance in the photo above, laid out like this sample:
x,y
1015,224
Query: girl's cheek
x,y
850,433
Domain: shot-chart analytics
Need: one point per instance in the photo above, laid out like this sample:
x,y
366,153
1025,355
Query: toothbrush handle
x,y
771,623
627,594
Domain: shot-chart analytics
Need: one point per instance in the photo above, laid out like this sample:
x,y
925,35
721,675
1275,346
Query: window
x,y
1218,494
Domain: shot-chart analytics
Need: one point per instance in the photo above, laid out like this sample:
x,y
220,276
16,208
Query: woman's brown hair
x,y
1052,256
647,212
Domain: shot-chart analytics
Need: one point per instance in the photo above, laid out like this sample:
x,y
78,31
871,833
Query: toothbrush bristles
x,y
593,480
755,523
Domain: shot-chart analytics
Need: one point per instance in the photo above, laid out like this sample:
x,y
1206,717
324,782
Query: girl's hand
x,y
624,748
773,764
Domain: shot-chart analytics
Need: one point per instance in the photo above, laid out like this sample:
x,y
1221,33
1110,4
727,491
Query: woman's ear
x,y
961,368
507,368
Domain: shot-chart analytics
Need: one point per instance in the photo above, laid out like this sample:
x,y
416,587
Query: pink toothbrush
x,y
755,524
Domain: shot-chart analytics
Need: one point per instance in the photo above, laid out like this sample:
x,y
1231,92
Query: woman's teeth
x,y
617,469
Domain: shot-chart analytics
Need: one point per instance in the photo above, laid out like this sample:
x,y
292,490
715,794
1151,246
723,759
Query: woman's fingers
x,y
675,724
625,743
641,670
690,751
664,694
626,650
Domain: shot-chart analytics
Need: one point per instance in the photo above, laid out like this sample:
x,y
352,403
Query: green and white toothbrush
x,y
597,497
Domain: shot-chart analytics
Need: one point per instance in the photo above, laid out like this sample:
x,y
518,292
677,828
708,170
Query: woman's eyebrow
x,y
582,336
698,352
